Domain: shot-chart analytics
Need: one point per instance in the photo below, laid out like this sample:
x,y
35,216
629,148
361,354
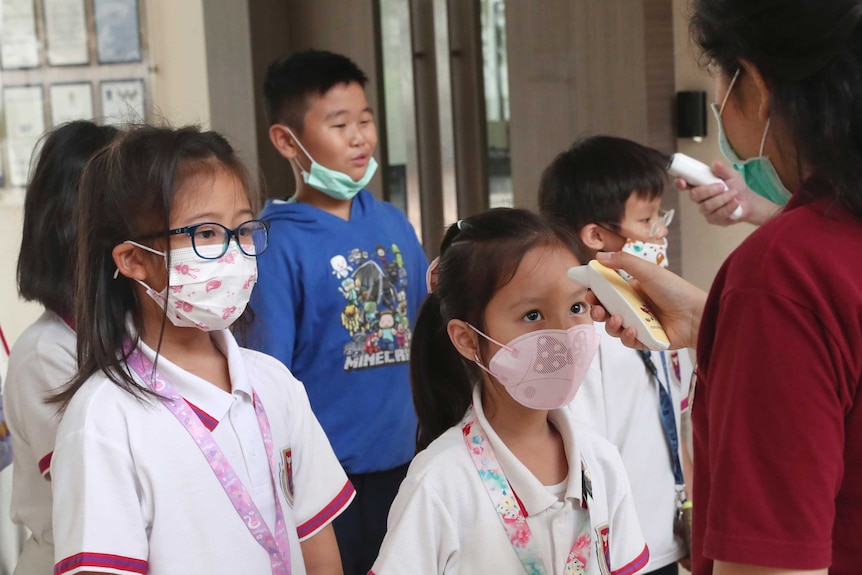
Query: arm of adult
x,y
320,553
677,304
716,203
723,568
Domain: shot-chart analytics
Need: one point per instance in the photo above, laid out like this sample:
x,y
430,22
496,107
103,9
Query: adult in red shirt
x,y
777,424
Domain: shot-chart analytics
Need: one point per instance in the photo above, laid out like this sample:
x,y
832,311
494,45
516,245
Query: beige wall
x,y
178,56
704,246
175,35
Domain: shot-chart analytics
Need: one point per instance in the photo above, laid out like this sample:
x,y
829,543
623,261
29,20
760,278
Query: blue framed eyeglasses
x,y
210,240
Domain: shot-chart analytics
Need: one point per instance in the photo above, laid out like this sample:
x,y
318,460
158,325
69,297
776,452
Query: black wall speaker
x,y
691,115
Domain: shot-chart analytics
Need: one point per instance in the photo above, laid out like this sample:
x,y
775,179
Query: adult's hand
x,y
716,204
677,304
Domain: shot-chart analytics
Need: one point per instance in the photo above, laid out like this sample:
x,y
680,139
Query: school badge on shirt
x,y
674,361
287,474
604,548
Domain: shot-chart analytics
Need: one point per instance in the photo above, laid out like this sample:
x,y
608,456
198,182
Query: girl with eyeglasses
x,y
179,451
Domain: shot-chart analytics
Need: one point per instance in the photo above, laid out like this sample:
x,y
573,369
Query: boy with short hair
x,y
608,191
340,285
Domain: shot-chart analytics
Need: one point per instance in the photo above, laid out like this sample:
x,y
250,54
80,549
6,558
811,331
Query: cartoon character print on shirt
x,y
375,317
340,267
579,556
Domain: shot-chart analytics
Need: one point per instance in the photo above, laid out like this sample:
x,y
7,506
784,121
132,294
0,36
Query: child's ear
x,y
283,141
593,237
463,338
129,261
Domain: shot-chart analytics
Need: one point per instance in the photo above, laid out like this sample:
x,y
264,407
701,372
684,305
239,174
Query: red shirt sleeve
x,y
772,424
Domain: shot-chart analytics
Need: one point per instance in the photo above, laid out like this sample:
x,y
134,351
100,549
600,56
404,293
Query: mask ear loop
x,y
301,147
481,366
478,361
763,140
724,103
143,247
729,88
514,352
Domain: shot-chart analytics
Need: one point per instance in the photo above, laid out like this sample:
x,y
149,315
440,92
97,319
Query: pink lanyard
x,y
509,508
278,546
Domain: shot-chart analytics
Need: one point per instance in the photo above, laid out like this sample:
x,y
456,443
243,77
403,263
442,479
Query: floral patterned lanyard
x,y
509,508
278,546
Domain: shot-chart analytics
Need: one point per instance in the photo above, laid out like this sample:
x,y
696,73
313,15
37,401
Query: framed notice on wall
x,y
123,102
69,102
117,31
19,46
68,60
66,32
24,115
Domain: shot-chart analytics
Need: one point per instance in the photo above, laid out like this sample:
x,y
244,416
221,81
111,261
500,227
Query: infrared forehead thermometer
x,y
619,298
696,173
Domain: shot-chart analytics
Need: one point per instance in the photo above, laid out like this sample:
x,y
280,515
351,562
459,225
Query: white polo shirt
x,y
620,400
443,521
42,361
134,494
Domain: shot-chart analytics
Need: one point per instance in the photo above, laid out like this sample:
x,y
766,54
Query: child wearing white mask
x,y
505,481
608,192
179,451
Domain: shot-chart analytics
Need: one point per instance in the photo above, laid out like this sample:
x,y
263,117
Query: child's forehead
x,y
347,97
640,201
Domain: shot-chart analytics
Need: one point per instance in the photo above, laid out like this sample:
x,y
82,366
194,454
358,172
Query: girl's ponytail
x,y
441,385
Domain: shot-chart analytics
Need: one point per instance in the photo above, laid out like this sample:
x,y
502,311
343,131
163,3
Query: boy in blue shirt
x,y
340,286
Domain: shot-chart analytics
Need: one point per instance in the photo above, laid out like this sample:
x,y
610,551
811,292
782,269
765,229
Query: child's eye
x,y
534,315
205,233
579,308
340,126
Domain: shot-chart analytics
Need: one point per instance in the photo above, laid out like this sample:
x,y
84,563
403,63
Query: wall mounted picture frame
x,y
118,37
19,45
123,101
66,37
71,101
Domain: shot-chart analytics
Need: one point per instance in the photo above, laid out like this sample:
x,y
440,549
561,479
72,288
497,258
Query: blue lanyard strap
x,y
668,420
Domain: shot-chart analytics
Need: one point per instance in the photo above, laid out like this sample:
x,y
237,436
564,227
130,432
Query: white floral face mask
x,y
206,294
653,252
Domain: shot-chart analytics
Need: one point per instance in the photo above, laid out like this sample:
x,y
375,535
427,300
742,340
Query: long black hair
x,y
810,54
478,256
127,192
46,262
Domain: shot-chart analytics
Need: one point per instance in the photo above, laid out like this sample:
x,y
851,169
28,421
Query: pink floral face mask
x,y
206,294
544,369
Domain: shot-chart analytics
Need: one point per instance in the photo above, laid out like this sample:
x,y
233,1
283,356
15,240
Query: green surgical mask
x,y
333,183
758,172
